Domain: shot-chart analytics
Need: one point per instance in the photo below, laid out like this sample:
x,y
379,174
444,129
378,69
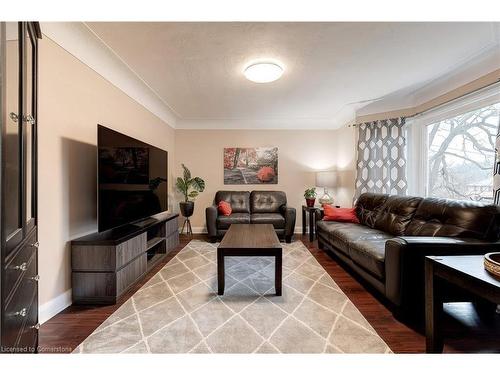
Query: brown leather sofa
x,y
395,233
257,207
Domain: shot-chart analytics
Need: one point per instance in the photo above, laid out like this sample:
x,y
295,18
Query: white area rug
x,y
178,310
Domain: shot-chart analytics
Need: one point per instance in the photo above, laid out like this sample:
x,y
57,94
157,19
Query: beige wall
x,y
73,99
300,153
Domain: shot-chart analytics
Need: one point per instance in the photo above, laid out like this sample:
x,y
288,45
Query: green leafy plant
x,y
189,186
310,193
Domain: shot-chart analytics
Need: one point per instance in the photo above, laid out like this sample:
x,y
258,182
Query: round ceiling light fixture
x,y
263,72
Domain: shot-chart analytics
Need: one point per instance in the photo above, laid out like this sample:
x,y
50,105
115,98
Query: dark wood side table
x,y
464,271
312,219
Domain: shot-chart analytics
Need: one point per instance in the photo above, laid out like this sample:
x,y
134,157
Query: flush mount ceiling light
x,y
263,72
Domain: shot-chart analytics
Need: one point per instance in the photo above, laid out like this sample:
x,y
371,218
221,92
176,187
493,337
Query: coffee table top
x,y
468,265
250,236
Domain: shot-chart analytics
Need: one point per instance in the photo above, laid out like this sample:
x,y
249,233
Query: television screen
x,y
132,179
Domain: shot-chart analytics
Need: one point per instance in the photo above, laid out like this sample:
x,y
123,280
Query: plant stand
x,y
187,209
187,224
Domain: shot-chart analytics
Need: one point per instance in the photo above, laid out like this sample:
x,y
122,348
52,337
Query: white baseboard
x,y
196,230
54,306
203,230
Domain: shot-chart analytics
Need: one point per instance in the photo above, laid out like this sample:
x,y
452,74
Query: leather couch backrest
x,y
396,214
239,200
451,218
266,201
368,206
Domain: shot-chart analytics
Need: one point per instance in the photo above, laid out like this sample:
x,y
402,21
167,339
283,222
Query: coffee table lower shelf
x,y
250,240
221,273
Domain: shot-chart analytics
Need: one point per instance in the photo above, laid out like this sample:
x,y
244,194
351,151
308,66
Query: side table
x,y
312,219
464,271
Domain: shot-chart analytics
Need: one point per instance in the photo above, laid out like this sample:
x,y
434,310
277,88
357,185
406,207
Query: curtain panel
x,y
381,163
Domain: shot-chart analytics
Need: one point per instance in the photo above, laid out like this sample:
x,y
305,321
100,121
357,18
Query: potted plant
x,y
310,195
190,187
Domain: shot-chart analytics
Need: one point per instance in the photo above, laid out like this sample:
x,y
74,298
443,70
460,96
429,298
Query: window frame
x,y
417,159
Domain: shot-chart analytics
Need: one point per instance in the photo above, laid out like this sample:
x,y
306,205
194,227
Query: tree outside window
x,y
461,155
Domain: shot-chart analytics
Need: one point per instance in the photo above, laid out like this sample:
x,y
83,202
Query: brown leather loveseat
x,y
395,233
256,207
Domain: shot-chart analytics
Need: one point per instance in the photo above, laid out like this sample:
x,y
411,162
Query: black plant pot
x,y
187,208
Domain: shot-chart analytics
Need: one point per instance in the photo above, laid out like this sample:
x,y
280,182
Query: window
x,y
461,155
452,152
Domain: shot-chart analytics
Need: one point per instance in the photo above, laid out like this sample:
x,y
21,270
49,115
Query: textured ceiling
x,y
330,68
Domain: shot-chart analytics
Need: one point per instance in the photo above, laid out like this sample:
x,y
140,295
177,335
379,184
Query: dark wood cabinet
x,y
18,187
106,264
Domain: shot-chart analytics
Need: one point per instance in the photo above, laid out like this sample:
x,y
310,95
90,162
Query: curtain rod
x,y
497,82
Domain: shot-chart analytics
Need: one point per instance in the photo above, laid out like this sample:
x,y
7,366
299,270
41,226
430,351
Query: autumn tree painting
x,y
249,166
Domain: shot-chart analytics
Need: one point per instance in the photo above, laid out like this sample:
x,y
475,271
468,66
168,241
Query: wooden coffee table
x,y
250,240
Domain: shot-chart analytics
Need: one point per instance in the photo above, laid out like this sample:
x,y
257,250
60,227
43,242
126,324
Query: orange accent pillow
x,y
347,215
224,208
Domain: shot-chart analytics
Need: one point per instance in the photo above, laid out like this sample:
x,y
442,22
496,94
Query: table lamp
x,y
325,180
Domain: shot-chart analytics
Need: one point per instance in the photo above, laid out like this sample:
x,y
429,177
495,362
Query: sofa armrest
x,y
289,214
211,213
404,261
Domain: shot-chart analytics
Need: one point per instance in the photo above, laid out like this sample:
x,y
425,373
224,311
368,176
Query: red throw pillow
x,y
340,214
224,208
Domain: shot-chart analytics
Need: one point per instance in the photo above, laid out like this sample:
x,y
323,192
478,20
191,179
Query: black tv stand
x,y
146,222
106,264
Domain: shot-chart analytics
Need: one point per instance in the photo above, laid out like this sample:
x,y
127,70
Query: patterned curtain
x,y
381,166
496,169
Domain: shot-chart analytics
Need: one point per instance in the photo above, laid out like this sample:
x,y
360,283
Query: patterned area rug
x,y
178,310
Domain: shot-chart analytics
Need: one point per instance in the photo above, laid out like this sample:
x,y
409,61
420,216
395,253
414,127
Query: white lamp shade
x,y
326,179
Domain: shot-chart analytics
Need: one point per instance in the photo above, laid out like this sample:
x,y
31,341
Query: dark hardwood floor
x,y
465,330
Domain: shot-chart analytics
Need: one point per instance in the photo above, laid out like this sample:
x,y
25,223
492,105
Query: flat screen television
x,y
132,179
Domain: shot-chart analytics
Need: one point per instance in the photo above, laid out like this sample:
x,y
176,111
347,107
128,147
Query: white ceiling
x,y
331,69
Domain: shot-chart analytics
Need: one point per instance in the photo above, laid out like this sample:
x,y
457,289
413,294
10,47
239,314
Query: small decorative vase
x,y
310,202
187,208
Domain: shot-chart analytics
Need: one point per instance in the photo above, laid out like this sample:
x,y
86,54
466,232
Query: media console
x,y
105,265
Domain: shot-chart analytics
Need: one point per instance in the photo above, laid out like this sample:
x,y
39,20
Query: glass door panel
x,y
29,122
13,138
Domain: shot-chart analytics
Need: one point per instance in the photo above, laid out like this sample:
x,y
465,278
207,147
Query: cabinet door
x,y
29,127
12,139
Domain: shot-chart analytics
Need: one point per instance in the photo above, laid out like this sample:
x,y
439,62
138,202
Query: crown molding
x,y
477,71
78,40
259,124
342,117
473,68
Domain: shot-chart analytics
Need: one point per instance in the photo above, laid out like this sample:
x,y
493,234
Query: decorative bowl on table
x,y
492,263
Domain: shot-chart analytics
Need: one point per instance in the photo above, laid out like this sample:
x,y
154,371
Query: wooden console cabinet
x,y
18,187
105,265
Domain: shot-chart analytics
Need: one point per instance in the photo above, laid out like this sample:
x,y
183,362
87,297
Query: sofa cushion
x,y
396,214
277,220
223,222
239,200
451,218
369,255
266,201
224,208
368,206
347,215
343,235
